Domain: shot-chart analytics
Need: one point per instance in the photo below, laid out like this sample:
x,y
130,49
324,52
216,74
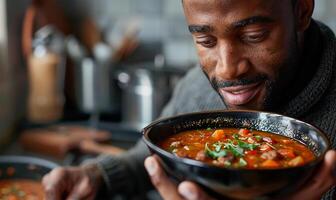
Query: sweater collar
x,y
321,79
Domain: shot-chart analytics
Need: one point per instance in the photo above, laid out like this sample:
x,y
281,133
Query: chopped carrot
x,y
218,134
244,132
296,161
270,164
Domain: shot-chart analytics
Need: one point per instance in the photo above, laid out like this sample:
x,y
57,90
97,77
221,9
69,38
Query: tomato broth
x,y
238,148
21,189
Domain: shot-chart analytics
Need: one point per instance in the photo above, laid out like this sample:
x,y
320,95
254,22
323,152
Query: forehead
x,y
227,11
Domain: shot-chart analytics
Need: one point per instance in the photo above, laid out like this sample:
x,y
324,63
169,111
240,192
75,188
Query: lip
x,y
240,95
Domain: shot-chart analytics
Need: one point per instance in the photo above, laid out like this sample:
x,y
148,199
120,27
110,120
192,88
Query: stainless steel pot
x,y
145,91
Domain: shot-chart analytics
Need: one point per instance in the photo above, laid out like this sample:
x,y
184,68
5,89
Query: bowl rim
x,y
17,159
200,164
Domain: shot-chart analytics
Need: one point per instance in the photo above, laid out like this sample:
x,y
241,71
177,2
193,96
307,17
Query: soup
x,y
21,189
238,148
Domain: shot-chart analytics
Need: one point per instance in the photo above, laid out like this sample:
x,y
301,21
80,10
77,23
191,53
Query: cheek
x,y
271,55
208,59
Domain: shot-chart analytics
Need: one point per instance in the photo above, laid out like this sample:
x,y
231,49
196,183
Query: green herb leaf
x,y
209,129
235,150
218,146
247,146
214,154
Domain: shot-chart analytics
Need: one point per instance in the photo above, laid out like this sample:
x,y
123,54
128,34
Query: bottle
x,y
46,77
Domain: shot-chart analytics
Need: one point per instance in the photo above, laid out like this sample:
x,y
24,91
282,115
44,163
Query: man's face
x,y
247,49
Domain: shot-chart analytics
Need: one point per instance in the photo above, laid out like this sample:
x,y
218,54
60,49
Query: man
x,y
257,54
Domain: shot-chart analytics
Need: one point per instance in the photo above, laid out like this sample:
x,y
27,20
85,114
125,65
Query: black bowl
x,y
238,183
23,167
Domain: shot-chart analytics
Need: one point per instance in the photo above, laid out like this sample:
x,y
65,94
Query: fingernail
x,y
151,166
188,193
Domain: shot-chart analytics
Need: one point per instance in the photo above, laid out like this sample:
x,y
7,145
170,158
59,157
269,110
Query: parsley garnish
x,y
215,154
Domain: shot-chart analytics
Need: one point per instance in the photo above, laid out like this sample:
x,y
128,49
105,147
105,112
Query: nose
x,y
232,63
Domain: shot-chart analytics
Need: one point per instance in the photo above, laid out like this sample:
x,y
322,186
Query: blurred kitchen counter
x,y
118,136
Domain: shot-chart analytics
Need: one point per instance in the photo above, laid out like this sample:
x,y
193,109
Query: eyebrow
x,y
199,28
252,20
240,24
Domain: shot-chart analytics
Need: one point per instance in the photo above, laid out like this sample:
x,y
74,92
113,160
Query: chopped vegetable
x,y
267,139
270,164
175,144
269,155
242,162
227,163
251,140
241,148
265,147
244,132
186,148
296,161
287,153
258,138
218,134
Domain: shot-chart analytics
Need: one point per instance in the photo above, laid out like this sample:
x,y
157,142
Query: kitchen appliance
x,y
46,71
146,88
94,87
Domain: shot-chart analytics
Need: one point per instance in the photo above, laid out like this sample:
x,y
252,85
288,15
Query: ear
x,y
303,12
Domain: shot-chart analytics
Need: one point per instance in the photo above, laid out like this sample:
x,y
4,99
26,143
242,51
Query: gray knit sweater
x,y
315,104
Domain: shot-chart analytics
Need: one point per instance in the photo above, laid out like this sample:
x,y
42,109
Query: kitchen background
x,y
130,53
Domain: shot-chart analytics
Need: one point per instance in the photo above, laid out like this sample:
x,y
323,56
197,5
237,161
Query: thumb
x,y
326,176
321,181
191,191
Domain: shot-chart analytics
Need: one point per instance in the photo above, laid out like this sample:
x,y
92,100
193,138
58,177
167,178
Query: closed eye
x,y
254,37
207,42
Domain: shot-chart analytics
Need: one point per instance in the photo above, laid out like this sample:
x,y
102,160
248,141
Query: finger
x,y
322,181
53,184
82,190
191,191
166,188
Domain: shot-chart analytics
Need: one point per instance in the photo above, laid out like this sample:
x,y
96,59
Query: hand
x,y
319,184
169,190
72,183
